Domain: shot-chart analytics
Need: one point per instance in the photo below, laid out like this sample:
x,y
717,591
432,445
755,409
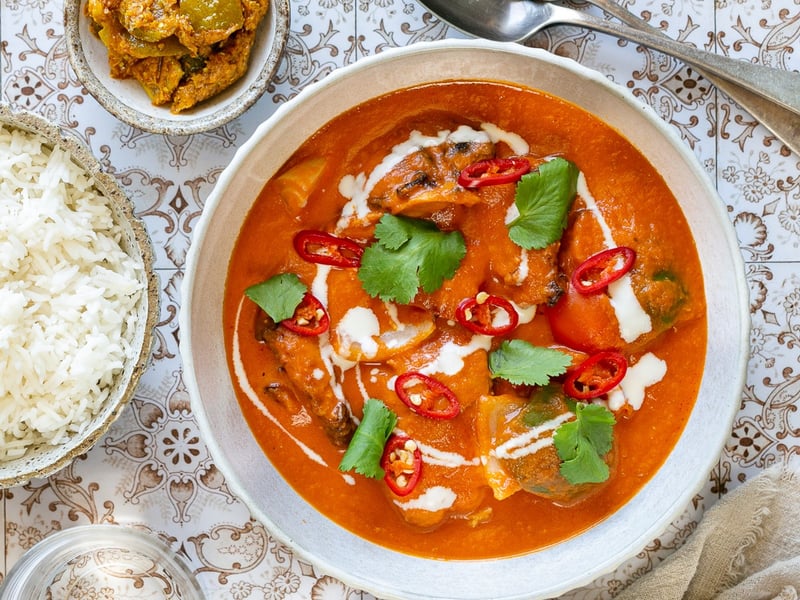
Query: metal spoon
x,y
782,122
517,20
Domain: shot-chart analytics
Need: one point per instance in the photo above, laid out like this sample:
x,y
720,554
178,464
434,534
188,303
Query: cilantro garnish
x,y
543,198
279,295
409,254
582,443
522,363
366,448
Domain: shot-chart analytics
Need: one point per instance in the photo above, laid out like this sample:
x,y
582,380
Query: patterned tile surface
x,y
153,470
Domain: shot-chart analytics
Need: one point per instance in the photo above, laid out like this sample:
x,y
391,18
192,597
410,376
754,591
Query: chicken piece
x,y
526,277
368,329
515,437
444,493
424,182
532,277
452,484
656,282
300,359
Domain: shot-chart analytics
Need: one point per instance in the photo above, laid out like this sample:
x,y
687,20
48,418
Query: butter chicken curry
x,y
466,320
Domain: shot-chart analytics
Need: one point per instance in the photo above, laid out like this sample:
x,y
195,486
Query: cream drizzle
x,y
442,458
515,141
450,359
319,288
647,371
531,441
632,318
526,314
246,387
434,499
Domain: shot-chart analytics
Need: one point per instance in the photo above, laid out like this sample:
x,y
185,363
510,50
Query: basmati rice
x,y
68,293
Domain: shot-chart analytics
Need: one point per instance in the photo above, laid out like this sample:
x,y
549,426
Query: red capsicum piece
x,y
493,171
478,314
597,375
402,464
427,396
324,248
309,318
596,272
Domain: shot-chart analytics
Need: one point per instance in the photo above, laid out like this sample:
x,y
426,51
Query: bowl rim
x,y
56,135
734,378
276,22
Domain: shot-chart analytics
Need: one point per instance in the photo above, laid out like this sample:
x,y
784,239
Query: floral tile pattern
x,y
153,470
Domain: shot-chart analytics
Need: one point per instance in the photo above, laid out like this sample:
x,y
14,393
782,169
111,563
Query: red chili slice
x,y
427,396
402,464
493,171
309,318
596,272
479,314
597,375
326,249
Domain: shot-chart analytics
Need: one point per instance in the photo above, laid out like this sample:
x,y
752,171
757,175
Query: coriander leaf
x,y
409,254
585,467
366,448
543,199
279,295
383,275
522,363
393,232
582,443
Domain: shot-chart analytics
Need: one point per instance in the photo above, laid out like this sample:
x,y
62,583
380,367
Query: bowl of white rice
x,y
78,298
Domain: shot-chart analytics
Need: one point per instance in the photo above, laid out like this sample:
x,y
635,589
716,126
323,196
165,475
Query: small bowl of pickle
x,y
172,67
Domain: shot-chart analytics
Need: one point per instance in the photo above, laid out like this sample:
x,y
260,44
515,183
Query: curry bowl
x,y
214,364
79,298
127,100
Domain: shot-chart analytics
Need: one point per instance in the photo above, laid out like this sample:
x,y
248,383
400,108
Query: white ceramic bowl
x,y
44,460
389,574
126,100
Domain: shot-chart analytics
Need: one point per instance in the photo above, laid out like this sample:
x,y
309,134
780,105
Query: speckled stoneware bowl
x,y
126,100
41,461
385,573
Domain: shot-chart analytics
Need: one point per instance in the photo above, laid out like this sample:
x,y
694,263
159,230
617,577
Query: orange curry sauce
x,y
632,200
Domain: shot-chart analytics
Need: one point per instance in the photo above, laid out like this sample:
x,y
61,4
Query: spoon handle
x,y
782,122
782,87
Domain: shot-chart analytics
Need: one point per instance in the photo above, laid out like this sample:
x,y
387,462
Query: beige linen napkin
x,y
746,547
